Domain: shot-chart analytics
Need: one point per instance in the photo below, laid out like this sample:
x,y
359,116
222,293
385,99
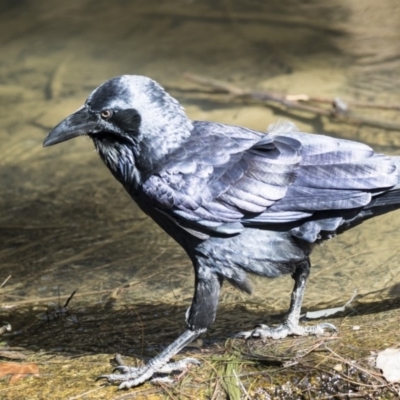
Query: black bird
x,y
235,199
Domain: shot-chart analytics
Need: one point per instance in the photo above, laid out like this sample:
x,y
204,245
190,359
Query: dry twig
x,y
338,110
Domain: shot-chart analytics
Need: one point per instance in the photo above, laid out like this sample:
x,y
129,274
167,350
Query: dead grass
x,y
74,344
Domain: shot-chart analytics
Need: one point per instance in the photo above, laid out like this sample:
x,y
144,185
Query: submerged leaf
x,y
18,371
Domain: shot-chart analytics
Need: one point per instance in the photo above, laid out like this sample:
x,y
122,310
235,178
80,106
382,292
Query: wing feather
x,y
225,177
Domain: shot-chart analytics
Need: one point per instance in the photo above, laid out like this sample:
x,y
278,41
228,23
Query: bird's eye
x,y
106,114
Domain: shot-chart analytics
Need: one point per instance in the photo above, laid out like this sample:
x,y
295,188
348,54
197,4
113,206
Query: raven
x,y
238,201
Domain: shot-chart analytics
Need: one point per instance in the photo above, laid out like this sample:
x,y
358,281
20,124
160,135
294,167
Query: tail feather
x,y
387,199
319,229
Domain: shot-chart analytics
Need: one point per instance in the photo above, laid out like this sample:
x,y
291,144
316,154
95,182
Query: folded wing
x,y
227,177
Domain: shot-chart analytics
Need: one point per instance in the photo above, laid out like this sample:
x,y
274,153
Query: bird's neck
x,y
131,165
120,160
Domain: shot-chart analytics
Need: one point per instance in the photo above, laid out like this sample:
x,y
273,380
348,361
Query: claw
x,y
101,377
246,335
327,325
123,369
243,335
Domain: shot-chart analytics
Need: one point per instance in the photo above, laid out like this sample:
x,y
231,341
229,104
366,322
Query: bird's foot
x,y
287,328
132,376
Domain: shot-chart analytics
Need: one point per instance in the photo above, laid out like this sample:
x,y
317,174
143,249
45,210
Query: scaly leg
x,y
199,317
131,376
291,325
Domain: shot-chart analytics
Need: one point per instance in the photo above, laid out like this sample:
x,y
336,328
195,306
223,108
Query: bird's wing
x,y
223,174
336,174
225,177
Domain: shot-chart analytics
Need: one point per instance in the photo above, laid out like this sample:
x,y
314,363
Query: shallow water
x,y
66,224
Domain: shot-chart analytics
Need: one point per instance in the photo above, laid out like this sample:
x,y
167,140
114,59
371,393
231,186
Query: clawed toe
x,y
243,335
123,369
180,365
286,329
100,377
129,377
112,378
319,329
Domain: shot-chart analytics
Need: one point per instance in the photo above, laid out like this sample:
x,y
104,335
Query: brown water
x,y
65,223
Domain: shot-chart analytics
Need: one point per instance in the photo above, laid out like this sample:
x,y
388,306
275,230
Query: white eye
x,y
106,114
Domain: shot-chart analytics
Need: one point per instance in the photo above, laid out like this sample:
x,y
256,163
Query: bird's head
x,y
130,119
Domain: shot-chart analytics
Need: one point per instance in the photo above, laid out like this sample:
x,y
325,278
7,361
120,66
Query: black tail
x,y
379,205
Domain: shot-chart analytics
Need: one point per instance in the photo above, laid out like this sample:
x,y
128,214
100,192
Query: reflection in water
x,y
66,223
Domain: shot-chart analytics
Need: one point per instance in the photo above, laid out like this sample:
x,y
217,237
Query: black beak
x,y
79,123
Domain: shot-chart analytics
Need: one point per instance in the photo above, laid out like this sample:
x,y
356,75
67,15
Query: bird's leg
x,y
199,317
291,325
131,376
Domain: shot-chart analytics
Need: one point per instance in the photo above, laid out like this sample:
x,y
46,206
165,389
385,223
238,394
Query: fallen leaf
x,y
18,371
389,362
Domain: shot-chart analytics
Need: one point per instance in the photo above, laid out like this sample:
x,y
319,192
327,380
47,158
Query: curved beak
x,y
79,123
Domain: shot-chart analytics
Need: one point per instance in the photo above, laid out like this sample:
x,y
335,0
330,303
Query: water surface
x,y
66,224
